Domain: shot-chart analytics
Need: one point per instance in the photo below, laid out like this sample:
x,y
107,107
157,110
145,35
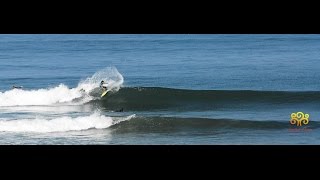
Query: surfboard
x,y
104,93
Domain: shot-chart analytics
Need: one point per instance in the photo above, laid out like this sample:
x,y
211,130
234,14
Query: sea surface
x,y
165,89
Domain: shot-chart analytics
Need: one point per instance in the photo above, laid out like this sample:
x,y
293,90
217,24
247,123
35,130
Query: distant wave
x,y
155,98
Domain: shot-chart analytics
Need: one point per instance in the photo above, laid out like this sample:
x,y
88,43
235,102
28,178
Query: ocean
x,y
165,89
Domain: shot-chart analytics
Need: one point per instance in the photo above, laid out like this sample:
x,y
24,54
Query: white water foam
x,y
110,75
61,124
61,93
18,97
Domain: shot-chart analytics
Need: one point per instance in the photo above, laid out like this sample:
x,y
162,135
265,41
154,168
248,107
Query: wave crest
x,y
61,93
61,124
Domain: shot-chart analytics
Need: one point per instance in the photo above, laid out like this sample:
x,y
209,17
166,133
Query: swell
x,y
155,98
171,124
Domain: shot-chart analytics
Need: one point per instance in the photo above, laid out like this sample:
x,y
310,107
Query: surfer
x,y
16,87
103,85
120,110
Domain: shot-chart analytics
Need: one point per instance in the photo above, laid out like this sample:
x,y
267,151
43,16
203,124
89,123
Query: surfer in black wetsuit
x,y
120,110
16,87
103,85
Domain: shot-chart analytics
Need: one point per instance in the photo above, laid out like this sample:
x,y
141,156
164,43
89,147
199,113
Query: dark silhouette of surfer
x,y
16,87
120,110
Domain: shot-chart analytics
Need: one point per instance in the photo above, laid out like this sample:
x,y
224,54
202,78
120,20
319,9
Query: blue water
x,y
285,63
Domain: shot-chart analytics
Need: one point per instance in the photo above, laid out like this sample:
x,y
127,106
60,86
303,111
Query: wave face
x,y
61,124
63,94
154,98
172,124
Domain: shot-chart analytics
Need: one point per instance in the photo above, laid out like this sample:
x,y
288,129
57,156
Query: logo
x,y
299,118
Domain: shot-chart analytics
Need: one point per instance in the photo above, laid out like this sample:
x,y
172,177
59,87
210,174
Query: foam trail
x,y
61,93
61,124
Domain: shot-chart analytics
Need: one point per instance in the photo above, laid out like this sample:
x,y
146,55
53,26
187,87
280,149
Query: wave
x,y
62,93
172,124
140,124
155,98
61,124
